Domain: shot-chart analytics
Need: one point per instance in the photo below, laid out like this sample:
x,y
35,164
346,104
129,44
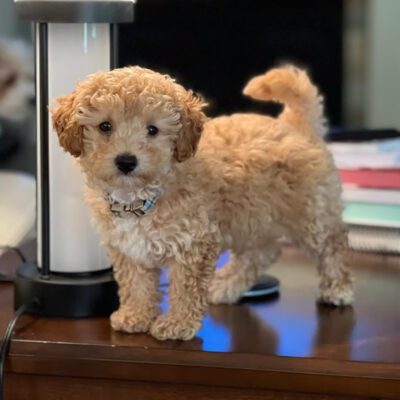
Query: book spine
x,y
389,179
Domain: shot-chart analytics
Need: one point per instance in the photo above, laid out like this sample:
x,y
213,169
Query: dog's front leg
x,y
188,290
138,294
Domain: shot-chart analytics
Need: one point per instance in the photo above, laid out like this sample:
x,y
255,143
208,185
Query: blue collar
x,y
137,207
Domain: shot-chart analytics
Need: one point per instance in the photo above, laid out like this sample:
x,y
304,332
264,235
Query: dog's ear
x,y
70,134
192,118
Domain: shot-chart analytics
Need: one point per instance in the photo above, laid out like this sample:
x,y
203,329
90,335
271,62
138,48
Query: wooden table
x,y
284,348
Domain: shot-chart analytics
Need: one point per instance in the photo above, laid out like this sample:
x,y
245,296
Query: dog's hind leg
x,y
241,273
336,282
328,248
322,233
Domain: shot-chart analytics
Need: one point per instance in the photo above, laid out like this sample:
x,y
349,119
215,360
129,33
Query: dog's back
x,y
276,177
263,162
248,137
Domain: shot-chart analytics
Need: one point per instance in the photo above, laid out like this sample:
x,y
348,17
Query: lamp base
x,y
267,286
64,296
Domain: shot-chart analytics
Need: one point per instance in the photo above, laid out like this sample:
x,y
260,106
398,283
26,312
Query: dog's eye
x,y
152,130
105,127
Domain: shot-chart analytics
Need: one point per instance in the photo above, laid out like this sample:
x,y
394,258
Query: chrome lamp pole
x,y
72,277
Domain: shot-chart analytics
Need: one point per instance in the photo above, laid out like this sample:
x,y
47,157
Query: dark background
x,y
215,46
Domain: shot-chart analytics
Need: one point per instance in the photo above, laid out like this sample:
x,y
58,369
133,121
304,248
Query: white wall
x,y
10,25
382,98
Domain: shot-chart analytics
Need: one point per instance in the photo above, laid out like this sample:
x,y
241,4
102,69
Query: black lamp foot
x,y
62,296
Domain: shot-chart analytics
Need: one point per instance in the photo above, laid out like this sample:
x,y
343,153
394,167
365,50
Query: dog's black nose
x,y
126,162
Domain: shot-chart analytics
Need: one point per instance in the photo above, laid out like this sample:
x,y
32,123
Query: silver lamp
x,y
72,276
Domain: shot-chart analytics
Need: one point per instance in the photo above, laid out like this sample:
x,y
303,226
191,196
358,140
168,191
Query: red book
x,y
376,178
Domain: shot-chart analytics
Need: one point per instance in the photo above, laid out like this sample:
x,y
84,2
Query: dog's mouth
x,y
130,180
111,179
122,175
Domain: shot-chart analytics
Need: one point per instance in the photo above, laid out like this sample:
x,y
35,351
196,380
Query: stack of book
x,y
370,173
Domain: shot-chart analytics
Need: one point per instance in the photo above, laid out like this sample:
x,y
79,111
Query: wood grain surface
x,y
287,344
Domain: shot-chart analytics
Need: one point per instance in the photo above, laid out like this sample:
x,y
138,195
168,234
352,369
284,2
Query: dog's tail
x,y
291,87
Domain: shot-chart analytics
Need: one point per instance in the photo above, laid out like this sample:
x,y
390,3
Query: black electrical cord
x,y
6,344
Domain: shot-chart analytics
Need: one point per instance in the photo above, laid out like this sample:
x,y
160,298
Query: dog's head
x,y
16,80
129,126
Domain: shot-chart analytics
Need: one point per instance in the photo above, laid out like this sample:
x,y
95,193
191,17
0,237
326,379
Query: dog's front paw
x,y
132,321
339,294
169,327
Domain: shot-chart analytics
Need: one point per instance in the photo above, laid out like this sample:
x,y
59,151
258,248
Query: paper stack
x,y
370,172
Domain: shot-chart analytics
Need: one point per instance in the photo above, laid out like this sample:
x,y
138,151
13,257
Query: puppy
x,y
166,186
17,88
